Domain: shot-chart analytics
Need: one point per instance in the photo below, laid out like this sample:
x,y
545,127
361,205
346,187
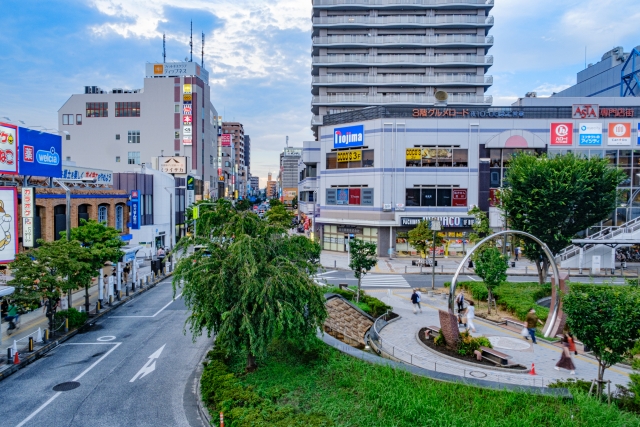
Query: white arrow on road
x,y
148,367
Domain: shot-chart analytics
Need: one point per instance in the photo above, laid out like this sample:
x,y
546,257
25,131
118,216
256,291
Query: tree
x,y
491,267
421,238
556,198
606,319
363,258
481,227
243,205
294,203
280,216
252,288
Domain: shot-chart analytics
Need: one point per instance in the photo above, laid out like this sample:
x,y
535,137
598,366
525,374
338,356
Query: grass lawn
x,y
323,387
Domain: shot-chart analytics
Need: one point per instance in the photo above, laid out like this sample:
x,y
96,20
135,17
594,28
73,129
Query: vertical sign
x,y
28,235
8,224
620,133
191,186
28,212
8,149
135,210
561,133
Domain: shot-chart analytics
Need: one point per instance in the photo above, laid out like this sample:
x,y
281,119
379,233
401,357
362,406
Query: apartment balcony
x,y
403,21
316,121
402,79
361,60
353,41
431,4
365,100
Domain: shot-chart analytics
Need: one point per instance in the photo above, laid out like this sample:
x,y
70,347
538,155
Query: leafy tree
x,y
363,258
294,202
491,267
421,238
555,198
606,319
481,227
280,216
243,205
252,288
275,202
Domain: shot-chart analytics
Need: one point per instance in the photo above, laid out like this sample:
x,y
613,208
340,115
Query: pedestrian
x,y
460,302
105,287
572,343
161,253
517,251
126,271
565,361
470,315
415,299
531,322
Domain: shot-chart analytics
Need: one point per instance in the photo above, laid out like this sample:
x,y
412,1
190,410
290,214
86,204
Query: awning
x,y
6,290
130,252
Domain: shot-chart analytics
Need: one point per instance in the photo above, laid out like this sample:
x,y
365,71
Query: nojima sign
x,y
352,136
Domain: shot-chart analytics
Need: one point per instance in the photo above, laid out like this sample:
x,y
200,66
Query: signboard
x,y
414,154
187,140
8,224
561,133
619,133
352,136
349,156
28,233
191,183
342,196
445,222
188,98
187,120
135,210
354,196
638,133
187,88
173,164
585,111
103,177
331,196
176,69
225,140
187,130
459,197
590,133
347,229
40,153
293,152
466,113
186,110
28,202
366,198
8,149
493,197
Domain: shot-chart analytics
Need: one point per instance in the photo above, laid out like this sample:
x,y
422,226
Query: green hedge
x,y
370,305
76,318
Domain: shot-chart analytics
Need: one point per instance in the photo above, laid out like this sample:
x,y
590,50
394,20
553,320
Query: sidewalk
x,y
448,266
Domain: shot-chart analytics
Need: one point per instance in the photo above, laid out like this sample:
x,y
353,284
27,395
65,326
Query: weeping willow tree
x,y
250,284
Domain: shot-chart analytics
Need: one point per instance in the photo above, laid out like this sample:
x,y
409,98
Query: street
x,y
134,368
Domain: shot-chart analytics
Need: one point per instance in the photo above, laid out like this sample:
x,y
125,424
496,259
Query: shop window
x,y
350,159
435,197
412,197
437,157
444,197
428,197
97,109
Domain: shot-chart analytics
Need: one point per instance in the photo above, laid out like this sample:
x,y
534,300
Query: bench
x,y
495,356
432,330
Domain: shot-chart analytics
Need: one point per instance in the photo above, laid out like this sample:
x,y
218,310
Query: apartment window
x,y
210,160
120,218
67,119
68,158
117,159
127,109
177,109
68,138
97,109
176,135
133,137
436,197
440,156
102,214
133,158
117,137
350,159
78,119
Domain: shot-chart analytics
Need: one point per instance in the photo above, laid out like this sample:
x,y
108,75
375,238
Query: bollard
x,y
335,264
97,306
110,299
221,419
66,325
30,344
526,269
442,269
46,335
405,269
133,285
39,336
9,355
126,290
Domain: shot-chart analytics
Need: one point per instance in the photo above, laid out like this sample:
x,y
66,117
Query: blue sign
x,y
40,153
342,196
135,210
590,133
352,136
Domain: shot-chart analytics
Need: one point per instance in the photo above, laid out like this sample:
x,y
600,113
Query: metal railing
x,y
410,98
467,39
404,79
402,59
404,19
400,2
431,363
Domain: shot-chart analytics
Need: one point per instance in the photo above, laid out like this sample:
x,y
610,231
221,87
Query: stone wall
x,y
345,319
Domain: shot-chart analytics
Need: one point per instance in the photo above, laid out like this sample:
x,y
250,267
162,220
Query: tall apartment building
x,y
272,187
389,53
236,130
171,116
289,176
247,153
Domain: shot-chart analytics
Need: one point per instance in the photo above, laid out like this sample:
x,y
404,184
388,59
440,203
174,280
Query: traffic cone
x,y
16,358
533,369
39,336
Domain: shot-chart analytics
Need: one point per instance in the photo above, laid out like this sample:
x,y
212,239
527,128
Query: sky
x,y
258,54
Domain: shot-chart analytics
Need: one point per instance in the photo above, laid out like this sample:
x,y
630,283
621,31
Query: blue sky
x,y
258,54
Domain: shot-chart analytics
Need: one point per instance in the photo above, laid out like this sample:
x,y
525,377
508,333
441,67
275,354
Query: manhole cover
x,y
71,385
478,374
509,343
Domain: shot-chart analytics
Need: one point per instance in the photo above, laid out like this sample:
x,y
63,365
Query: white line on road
x,y
473,279
86,371
148,367
328,272
158,312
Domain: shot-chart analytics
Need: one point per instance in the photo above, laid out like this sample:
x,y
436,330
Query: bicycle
x,y
14,325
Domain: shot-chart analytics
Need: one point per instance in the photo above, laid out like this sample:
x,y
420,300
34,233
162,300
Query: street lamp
x,y
435,227
171,213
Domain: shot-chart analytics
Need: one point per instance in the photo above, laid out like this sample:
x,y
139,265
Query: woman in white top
x,y
471,314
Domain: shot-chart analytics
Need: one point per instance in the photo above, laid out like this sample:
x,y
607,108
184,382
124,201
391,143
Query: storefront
x,y
455,234
335,237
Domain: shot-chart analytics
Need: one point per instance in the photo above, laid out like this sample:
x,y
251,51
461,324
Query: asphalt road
x,y
134,368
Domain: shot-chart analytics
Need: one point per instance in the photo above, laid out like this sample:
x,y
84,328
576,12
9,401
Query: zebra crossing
x,y
385,281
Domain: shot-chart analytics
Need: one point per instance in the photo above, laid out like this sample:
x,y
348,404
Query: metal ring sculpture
x,y
556,272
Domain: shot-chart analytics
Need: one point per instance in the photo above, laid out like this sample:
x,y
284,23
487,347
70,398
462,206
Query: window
x,y
120,218
68,138
439,156
176,135
68,158
210,160
350,159
102,214
67,119
78,119
97,109
133,137
227,164
117,159
117,137
127,109
133,158
436,197
177,109
355,196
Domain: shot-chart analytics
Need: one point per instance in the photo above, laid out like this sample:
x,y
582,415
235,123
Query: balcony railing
x,y
316,121
404,19
400,2
400,40
402,59
406,98
403,79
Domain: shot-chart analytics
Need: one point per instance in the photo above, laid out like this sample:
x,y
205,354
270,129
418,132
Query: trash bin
x,y
513,264
470,264
156,266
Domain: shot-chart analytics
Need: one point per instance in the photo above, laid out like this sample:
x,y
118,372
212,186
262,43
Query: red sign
x,y
187,120
561,133
459,198
493,198
617,112
29,153
586,111
225,140
354,196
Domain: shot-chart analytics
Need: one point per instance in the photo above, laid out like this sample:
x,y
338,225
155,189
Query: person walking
x,y
572,343
517,252
565,361
12,315
415,299
460,302
471,314
531,322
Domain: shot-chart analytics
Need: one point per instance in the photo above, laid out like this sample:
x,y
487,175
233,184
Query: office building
x,y
289,176
272,187
399,53
236,132
247,153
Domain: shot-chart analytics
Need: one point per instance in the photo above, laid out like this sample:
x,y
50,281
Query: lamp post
x,y
435,227
172,213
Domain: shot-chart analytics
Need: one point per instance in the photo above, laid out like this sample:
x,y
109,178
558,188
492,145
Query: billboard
x,y
225,140
173,164
103,177
8,149
590,133
342,196
176,69
620,133
561,133
352,136
40,153
8,224
459,197
135,210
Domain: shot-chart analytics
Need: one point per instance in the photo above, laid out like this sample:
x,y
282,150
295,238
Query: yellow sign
x,y
158,69
186,89
349,156
187,97
414,154
196,212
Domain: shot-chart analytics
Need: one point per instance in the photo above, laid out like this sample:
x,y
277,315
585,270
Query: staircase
x,y
569,257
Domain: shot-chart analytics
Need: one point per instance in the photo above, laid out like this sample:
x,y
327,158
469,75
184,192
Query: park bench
x,y
495,356
433,330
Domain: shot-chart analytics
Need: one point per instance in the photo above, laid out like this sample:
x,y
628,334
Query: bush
x,y
469,344
370,305
76,318
440,340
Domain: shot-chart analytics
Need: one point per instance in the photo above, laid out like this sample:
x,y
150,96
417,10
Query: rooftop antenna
x,y
191,42
164,48
287,141
203,50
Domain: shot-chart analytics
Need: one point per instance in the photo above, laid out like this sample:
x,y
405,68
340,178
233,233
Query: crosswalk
x,y
384,281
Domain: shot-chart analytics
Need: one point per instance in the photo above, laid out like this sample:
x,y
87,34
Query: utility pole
x,y
435,227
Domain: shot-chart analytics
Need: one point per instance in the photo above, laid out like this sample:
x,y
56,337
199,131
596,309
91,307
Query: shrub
x,y
469,344
440,340
76,318
370,305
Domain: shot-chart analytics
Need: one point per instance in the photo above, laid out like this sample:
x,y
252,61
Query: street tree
x,y
491,267
243,205
556,198
421,238
278,215
252,288
606,319
294,202
363,257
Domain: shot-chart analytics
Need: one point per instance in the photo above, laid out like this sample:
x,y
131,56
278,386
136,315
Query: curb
x,y
39,353
202,410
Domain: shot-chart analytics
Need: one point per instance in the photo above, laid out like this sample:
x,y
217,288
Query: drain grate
x,y
68,386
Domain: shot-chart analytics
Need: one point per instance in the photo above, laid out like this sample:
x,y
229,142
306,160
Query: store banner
x,y
347,137
459,198
354,196
28,233
8,149
41,153
342,196
28,202
591,134
620,133
8,224
562,134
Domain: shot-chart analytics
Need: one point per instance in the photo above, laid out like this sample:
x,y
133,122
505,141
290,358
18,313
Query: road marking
x,y
328,272
148,367
394,281
106,338
473,279
158,312
55,396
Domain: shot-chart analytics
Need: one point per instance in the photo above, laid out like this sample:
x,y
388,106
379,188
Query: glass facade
x,y
335,237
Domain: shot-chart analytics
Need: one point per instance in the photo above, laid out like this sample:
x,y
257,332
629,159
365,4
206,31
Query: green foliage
x,y
363,257
572,384
421,238
440,340
481,227
634,384
492,267
279,216
275,202
76,318
606,319
243,205
469,344
101,243
370,305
